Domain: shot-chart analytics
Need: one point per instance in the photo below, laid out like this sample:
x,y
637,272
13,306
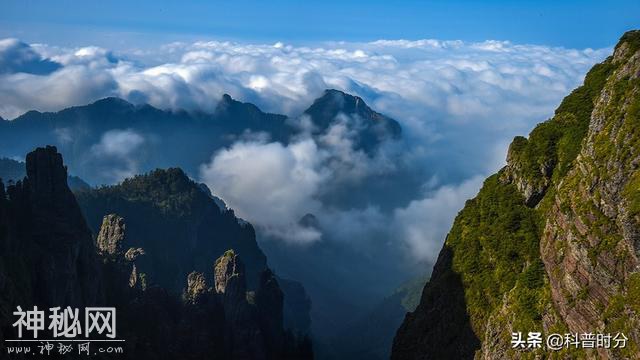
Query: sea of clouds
x,y
459,105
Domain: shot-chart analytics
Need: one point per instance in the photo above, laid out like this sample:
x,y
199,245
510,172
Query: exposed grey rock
x,y
111,238
133,254
229,275
196,288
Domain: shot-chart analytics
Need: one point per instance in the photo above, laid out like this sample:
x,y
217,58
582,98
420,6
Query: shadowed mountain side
x,y
48,258
181,227
371,336
111,140
100,139
440,328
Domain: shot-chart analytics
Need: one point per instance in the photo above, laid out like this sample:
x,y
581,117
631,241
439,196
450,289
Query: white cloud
x,y
116,155
270,184
275,185
467,80
118,143
423,235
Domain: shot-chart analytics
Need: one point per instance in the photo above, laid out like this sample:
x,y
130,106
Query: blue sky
x,y
576,24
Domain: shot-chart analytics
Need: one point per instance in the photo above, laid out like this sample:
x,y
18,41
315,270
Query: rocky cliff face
x,y
590,243
177,223
180,226
551,242
48,258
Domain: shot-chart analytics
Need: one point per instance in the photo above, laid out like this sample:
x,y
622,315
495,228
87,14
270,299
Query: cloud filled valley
x,y
459,104
350,187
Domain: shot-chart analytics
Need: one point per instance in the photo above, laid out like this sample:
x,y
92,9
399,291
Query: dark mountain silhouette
x,y
371,127
48,257
13,170
172,138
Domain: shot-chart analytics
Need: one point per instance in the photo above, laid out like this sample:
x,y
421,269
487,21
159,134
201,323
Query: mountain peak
x,y
46,171
231,106
113,101
373,127
630,38
340,93
334,101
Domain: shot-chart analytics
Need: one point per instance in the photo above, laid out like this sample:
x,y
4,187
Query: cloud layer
x,y
270,183
459,105
114,156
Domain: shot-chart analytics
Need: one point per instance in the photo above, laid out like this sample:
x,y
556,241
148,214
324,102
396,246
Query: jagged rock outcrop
x,y
244,334
12,171
44,220
120,266
551,242
133,254
111,236
196,288
533,186
229,275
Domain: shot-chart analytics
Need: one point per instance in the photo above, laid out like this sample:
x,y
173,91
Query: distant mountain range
x,y
175,138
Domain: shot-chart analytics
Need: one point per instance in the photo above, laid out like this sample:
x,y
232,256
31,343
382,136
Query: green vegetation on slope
x,y
553,145
496,237
170,191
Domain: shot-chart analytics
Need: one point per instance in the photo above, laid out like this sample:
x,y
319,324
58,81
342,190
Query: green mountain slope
x,y
550,242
